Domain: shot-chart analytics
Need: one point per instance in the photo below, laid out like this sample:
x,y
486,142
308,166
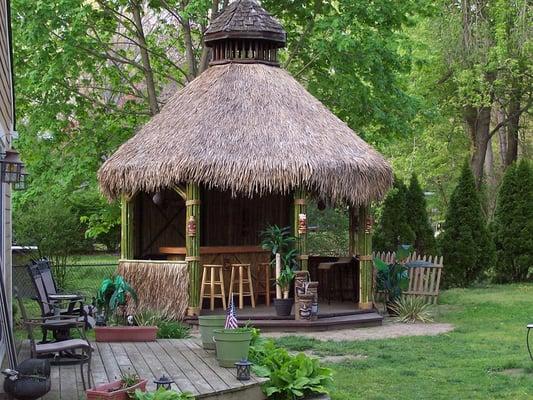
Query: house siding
x,y
6,129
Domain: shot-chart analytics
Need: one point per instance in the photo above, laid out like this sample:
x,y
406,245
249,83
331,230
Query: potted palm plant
x,y
279,242
111,301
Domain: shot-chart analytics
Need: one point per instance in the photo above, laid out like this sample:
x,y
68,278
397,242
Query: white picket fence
x,y
424,281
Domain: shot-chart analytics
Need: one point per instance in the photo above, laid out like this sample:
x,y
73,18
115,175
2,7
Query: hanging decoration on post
x,y
369,223
302,224
191,226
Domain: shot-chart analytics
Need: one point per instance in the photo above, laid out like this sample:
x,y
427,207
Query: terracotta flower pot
x,y
112,390
125,333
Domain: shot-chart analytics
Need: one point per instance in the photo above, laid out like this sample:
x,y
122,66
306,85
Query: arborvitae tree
x,y
465,241
513,224
418,220
393,228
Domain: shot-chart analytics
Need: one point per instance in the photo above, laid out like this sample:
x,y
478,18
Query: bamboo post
x,y
127,219
364,251
192,245
278,272
300,226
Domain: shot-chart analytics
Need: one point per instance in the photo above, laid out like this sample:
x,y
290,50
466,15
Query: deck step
x,y
355,319
359,320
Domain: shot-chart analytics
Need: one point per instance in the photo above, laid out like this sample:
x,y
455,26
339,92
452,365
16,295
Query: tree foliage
x,y
90,73
418,220
465,241
513,224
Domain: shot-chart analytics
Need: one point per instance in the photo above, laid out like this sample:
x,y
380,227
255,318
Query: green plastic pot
x,y
232,345
208,323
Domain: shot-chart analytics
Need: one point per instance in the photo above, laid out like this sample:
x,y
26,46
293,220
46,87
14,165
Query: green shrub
x,y
52,225
418,220
393,227
513,224
465,241
290,376
169,329
410,309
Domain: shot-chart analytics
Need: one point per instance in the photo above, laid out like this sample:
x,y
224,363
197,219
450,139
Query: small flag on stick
x,y
231,317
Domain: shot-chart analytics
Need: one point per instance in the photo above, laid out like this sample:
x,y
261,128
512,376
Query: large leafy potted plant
x,y
393,279
111,301
280,241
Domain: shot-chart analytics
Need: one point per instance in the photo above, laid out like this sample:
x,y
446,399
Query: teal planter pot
x,y
232,345
208,323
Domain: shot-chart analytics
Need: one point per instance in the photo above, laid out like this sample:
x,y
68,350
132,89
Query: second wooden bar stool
x,y
210,281
265,280
245,278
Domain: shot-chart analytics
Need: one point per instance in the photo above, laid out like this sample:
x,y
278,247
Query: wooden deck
x,y
192,368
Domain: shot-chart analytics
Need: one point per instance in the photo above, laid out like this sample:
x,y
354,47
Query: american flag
x,y
231,317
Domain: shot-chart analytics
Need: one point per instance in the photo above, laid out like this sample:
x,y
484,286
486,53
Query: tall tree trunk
x,y
502,135
189,51
512,131
478,121
145,58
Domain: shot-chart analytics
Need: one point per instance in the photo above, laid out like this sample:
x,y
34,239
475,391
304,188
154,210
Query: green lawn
x,y
468,363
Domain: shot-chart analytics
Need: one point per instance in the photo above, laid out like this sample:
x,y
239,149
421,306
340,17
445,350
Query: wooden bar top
x,y
215,250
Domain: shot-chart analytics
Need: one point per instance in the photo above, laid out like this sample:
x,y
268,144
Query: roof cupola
x,y
245,33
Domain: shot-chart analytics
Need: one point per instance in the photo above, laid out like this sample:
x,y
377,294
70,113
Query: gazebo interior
x,y
230,229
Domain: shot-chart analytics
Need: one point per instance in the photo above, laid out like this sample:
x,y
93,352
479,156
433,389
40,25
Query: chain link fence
x,y
82,277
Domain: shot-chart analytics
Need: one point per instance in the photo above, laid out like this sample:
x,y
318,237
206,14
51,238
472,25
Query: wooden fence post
x,y
364,251
300,226
192,245
127,229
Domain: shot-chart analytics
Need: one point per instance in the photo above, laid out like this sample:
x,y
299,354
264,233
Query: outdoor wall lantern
x,y
243,370
164,382
12,169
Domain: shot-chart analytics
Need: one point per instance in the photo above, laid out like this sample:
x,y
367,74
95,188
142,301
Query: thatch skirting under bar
x,y
161,286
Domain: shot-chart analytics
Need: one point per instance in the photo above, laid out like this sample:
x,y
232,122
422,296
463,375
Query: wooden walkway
x,y
192,368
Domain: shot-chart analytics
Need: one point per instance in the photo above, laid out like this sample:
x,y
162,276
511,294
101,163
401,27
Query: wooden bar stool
x,y
210,284
245,278
264,282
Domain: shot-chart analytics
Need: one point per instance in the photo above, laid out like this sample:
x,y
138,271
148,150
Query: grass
x,y
465,364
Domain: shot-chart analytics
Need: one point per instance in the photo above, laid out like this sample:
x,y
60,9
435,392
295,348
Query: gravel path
x,y
388,330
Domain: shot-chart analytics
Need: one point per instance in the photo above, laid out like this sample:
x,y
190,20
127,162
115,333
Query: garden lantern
x,y
12,168
164,382
243,370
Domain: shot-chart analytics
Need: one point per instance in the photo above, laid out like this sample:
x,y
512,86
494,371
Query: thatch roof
x,y
245,19
248,128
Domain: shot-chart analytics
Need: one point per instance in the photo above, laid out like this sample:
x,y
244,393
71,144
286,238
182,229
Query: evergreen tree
x,y
513,224
393,228
465,241
418,220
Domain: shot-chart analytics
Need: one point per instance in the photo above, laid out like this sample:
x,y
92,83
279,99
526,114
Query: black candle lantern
x,y
164,382
12,168
243,370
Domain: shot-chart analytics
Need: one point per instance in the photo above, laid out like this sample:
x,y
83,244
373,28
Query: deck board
x,y
193,369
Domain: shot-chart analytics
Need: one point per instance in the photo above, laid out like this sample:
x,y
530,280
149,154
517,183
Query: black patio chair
x,y
50,300
71,351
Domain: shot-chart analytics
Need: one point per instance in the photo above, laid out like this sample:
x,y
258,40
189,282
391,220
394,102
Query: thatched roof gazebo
x,y
244,129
